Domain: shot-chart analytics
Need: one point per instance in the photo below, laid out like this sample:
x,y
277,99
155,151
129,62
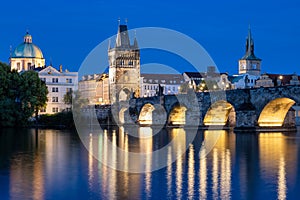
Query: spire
x,y
135,43
122,37
109,44
249,54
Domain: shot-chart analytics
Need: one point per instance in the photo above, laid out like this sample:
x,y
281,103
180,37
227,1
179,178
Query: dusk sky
x,y
67,31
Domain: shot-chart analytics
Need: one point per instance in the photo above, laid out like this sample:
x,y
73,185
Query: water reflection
x,y
52,164
275,150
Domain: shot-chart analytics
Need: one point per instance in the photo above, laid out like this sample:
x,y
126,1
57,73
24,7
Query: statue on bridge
x,y
160,91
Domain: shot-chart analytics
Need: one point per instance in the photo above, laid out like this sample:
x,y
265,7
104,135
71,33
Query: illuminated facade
x,y
124,67
26,56
95,88
249,63
170,84
58,82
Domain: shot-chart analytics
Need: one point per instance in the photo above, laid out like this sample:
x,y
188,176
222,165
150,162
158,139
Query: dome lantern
x,y
27,38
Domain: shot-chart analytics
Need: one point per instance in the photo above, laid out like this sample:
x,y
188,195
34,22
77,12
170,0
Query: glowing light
x,y
191,173
282,188
203,177
145,117
215,174
274,112
177,115
218,114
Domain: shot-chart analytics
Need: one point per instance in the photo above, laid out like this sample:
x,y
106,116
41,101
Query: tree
x,y
21,95
68,98
33,93
75,99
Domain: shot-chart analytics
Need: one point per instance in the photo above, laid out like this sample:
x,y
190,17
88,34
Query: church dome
x,y
27,49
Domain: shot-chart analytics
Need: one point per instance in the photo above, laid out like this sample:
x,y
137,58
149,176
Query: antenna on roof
x,y
51,61
119,21
10,50
126,21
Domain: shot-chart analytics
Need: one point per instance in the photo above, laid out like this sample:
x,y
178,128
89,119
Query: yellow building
x,y
26,56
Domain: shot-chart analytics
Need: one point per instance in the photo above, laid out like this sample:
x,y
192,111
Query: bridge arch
x,y
124,94
146,114
220,113
177,115
275,111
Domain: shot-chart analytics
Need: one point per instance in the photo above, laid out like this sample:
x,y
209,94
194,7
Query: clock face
x,y
243,65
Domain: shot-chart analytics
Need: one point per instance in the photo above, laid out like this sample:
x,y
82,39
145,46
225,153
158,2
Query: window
x,y
69,90
55,109
54,89
43,79
69,80
54,80
43,110
19,66
54,99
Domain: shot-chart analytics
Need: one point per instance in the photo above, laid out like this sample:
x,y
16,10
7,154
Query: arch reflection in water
x,y
178,134
221,166
274,150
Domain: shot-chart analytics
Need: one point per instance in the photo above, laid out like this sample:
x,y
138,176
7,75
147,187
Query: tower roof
x,y
123,41
122,37
249,55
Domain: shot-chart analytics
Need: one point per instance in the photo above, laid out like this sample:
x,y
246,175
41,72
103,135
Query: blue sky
x,y
67,31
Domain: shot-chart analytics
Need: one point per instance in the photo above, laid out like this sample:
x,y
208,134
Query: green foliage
x,y
20,96
59,120
68,98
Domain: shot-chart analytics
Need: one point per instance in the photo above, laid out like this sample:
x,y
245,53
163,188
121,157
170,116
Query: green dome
x,y
27,49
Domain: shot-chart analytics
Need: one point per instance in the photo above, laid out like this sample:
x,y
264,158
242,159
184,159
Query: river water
x,y
55,164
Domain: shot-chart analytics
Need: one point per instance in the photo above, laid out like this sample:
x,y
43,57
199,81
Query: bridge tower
x,y
249,63
124,67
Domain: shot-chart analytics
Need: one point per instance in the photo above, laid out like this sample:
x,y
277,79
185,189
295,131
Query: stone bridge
x,y
241,108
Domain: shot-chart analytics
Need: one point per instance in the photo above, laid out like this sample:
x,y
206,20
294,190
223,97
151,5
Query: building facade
x,y
58,82
95,88
169,83
26,56
209,80
124,67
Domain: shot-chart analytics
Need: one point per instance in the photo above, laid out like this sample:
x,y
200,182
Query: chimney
x,y
60,68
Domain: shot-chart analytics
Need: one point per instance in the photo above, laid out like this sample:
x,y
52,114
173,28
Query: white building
x,y
169,82
58,82
243,81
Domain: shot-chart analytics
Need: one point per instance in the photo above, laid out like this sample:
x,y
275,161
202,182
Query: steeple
x,y
135,43
122,40
249,55
249,63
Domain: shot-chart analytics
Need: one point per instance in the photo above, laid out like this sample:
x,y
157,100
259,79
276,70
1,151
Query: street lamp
x,y
280,78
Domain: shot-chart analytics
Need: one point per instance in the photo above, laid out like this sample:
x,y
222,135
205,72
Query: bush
x,y
59,120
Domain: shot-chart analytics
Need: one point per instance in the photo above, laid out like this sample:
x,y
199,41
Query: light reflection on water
x,y
52,164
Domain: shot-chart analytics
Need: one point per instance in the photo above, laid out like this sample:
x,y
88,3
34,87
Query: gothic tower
x,y
249,63
124,67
